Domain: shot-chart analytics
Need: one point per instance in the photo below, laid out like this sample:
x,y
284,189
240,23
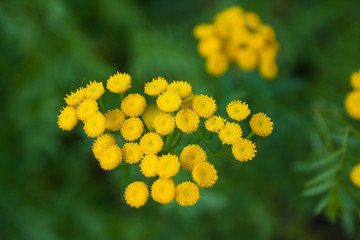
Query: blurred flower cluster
x,y
152,129
352,101
240,37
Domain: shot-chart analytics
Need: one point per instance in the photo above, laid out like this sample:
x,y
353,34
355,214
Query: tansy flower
x,y
182,88
75,97
187,194
149,165
355,80
111,157
151,143
204,106
217,64
244,150
133,105
101,144
132,152
261,124
169,101
67,119
247,59
156,86
119,83
203,31
94,90
95,125
169,166
238,110
114,119
163,191
214,123
132,129
192,155
149,115
188,102
352,104
187,121
204,174
136,194
230,133
86,109
209,45
268,69
164,123
252,20
355,175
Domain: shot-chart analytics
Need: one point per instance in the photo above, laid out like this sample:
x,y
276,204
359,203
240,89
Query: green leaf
x,y
318,189
321,205
326,160
327,174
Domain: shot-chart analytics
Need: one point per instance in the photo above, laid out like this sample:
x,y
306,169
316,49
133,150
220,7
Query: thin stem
x,y
101,105
204,141
125,178
146,128
177,142
250,135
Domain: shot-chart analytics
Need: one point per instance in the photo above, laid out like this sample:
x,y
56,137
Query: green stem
x,y
101,105
250,135
177,142
204,141
355,132
125,178
146,128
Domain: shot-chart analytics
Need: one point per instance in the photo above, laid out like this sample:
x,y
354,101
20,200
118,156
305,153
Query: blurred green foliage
x,y
50,184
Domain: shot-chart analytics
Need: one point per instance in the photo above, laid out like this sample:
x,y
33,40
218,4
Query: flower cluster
x,y
240,37
152,136
352,101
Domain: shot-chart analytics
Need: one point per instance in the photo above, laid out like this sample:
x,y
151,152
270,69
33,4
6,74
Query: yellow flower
x,y
204,174
164,123
352,104
149,115
111,158
261,124
132,129
257,41
132,152
94,90
163,191
238,110
187,194
156,86
101,144
119,83
268,69
133,105
267,32
169,166
188,102
187,121
192,155
230,133
169,101
214,123
67,119
204,106
151,143
182,88
247,59
244,150
136,194
217,64
355,80
209,45
114,119
75,97
86,109
95,125
203,30
149,165
355,175
252,20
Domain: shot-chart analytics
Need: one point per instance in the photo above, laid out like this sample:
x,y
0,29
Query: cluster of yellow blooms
x,y
151,143
240,37
352,101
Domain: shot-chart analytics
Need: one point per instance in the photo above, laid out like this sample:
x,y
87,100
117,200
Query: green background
x,y
51,187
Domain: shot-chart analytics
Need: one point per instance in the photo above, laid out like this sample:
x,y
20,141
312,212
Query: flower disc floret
x,y
132,152
149,165
182,88
95,125
204,174
136,194
169,101
230,133
156,86
133,105
101,144
169,166
355,175
204,106
187,121
192,155
119,83
214,123
67,119
114,119
244,150
86,109
352,104
261,124
238,110
163,190
164,123
151,143
94,90
187,194
111,158
132,129
75,97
